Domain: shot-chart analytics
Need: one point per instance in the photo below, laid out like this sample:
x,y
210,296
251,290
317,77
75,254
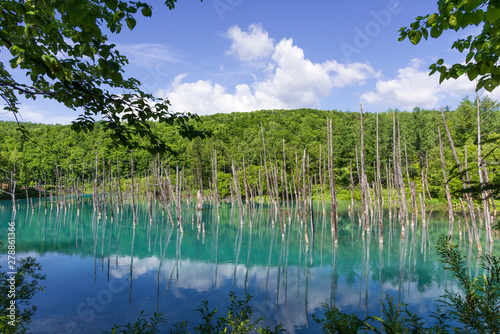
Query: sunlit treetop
x,y
481,51
67,58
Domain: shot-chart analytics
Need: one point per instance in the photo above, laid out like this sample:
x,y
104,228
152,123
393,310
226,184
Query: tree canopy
x,y
238,136
67,57
482,50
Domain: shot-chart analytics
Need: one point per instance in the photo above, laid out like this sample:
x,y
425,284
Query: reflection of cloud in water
x,y
142,266
269,302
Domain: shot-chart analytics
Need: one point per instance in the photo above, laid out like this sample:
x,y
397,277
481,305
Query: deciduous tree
x,y
62,48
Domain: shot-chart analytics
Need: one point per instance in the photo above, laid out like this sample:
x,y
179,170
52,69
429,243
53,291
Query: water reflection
x,y
106,270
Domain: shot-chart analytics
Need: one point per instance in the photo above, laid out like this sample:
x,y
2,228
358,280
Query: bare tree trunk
x,y
83,185
276,190
177,205
401,183
110,191
105,197
422,196
426,174
286,180
96,193
45,189
378,179
304,188
39,192
245,183
389,187
265,162
447,187
481,166
487,180
13,183
332,184
470,204
352,186
364,181
237,191
132,185
414,210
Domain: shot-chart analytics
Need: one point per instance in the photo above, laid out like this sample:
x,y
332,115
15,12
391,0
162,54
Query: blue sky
x,y
222,56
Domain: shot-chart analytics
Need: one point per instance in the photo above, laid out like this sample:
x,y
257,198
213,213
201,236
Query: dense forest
x,y
238,137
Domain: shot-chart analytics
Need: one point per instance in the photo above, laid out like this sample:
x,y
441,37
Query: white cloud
x,y
299,82
253,45
149,55
289,80
53,113
495,94
414,87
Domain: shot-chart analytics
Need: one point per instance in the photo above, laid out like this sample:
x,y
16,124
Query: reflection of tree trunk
x,y
367,270
163,255
175,265
216,249
248,260
270,257
380,266
423,245
279,272
307,289
102,243
422,204
131,268
237,250
333,288
109,250
118,239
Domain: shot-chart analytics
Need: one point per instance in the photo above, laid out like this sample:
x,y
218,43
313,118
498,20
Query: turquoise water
x,y
104,271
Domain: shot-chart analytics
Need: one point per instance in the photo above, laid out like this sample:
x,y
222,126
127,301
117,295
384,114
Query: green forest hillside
x,y
238,136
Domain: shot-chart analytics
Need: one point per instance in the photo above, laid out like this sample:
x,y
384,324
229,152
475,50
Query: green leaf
x,y
415,37
473,4
469,57
432,19
112,4
461,70
436,32
146,11
85,48
453,21
131,22
425,33
492,15
402,35
478,17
